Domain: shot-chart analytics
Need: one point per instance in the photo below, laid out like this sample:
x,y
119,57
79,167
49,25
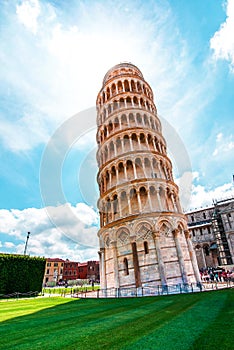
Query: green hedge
x,y
21,273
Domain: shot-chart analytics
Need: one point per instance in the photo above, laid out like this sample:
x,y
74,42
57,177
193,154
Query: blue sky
x,y
53,57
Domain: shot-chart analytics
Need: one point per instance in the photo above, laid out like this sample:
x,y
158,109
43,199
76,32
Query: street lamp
x,y
26,243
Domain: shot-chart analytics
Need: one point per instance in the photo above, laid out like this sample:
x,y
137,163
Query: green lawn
x,y
192,321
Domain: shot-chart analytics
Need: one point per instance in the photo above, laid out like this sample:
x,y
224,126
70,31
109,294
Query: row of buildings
x,y
58,270
212,234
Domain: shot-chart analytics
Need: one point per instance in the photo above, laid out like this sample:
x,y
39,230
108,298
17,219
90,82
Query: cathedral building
x,y
212,232
144,238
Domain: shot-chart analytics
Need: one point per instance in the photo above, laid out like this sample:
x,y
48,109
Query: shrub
x,y
21,273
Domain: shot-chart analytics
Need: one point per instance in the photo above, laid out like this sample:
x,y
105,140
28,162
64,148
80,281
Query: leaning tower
x,y
144,239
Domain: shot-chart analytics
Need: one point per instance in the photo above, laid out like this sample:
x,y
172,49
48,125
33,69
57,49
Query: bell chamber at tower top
x,y
122,69
124,86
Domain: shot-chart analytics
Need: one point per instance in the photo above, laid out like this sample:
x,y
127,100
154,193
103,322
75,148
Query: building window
x,y
48,271
208,229
48,264
146,248
126,272
192,218
55,264
228,219
206,249
193,232
201,233
204,215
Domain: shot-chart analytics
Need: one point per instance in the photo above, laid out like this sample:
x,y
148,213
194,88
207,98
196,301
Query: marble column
x,y
116,268
125,172
192,256
203,257
129,203
159,199
134,169
139,201
184,276
149,199
161,266
102,268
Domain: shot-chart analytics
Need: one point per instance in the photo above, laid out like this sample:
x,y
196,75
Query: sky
x,y
53,57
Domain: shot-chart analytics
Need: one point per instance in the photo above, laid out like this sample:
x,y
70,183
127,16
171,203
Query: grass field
x,y
191,321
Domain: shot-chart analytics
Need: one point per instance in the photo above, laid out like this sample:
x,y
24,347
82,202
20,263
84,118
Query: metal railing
x,y
154,290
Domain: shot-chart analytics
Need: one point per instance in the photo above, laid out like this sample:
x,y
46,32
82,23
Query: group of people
x,y
212,274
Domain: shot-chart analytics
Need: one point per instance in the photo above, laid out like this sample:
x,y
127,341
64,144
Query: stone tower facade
x,y
144,239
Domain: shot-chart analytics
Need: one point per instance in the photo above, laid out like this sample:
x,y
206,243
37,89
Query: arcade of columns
x,y
143,234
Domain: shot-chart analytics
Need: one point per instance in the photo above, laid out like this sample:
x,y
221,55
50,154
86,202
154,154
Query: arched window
x,y
146,247
121,102
126,86
113,89
120,86
125,262
139,119
116,123
115,204
129,101
108,92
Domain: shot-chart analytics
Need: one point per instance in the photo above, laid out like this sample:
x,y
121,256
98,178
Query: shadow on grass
x,y
166,322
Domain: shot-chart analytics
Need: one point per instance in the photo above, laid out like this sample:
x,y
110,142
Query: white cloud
x,y
28,12
224,144
9,245
223,40
86,214
88,140
194,195
67,232
25,139
59,68
201,196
